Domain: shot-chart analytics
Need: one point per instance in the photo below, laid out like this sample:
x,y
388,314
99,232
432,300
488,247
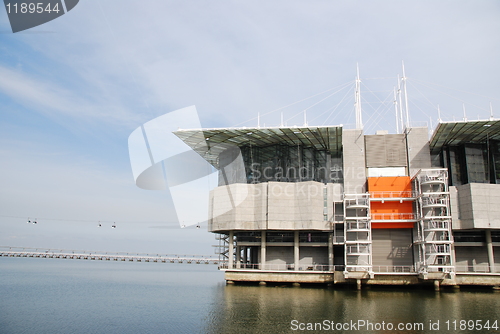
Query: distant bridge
x,y
106,256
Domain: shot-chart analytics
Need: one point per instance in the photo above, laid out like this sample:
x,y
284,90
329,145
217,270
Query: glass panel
x,y
284,163
476,157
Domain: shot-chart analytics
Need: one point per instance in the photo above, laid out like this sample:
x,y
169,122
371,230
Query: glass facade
x,y
472,163
283,163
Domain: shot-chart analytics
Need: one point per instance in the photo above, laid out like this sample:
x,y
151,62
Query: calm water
x,y
76,296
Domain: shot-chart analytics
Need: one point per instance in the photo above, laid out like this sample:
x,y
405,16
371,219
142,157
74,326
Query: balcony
x,y
357,248
359,225
437,249
382,196
394,217
433,176
436,225
434,202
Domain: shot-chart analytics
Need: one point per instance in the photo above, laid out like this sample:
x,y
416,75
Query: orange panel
x,y
387,187
391,186
391,207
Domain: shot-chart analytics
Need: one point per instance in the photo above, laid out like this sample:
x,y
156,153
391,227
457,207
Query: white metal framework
x,y
357,233
434,228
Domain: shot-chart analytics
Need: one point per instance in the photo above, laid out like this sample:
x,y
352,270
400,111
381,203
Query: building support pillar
x,y
263,250
296,250
231,250
245,255
330,252
238,256
489,246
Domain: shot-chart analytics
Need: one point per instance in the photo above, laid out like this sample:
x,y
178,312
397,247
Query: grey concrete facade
x,y
478,206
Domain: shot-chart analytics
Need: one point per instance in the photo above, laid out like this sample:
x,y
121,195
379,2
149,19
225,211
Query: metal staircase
x,y
434,229
357,233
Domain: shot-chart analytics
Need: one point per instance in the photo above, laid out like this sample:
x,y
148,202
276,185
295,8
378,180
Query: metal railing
x,y
393,194
393,269
105,256
338,239
430,175
282,267
436,225
437,249
357,225
432,200
477,268
356,200
394,216
358,249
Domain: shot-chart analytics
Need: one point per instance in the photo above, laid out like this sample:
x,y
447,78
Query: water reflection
x,y
256,309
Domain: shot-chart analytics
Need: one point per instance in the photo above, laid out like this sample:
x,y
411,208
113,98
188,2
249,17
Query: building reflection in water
x,y
256,309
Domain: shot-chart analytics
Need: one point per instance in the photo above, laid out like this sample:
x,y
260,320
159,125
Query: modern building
x,y
332,205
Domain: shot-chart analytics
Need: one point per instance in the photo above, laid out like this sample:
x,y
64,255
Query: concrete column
x,y
231,250
330,251
296,250
238,256
263,250
489,246
245,256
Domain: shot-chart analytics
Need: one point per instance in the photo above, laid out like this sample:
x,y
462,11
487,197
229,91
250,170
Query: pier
x,y
106,256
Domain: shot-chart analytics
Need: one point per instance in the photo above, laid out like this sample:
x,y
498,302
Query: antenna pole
x,y
396,110
406,97
357,101
400,107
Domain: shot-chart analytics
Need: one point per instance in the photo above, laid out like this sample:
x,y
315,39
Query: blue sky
x,y
72,91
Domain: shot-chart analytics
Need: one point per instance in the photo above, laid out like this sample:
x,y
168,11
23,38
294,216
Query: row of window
x,y
271,236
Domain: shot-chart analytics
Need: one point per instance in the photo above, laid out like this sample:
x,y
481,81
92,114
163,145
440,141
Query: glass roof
x,y
209,143
456,133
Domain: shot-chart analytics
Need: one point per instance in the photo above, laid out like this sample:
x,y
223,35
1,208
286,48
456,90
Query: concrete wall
x,y
279,255
419,154
471,258
272,205
238,207
297,205
310,256
478,206
353,150
455,217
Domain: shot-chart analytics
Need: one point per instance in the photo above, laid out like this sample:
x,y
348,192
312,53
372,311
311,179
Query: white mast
x,y
357,101
465,116
281,119
396,110
305,117
406,97
439,114
258,119
400,107
491,112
